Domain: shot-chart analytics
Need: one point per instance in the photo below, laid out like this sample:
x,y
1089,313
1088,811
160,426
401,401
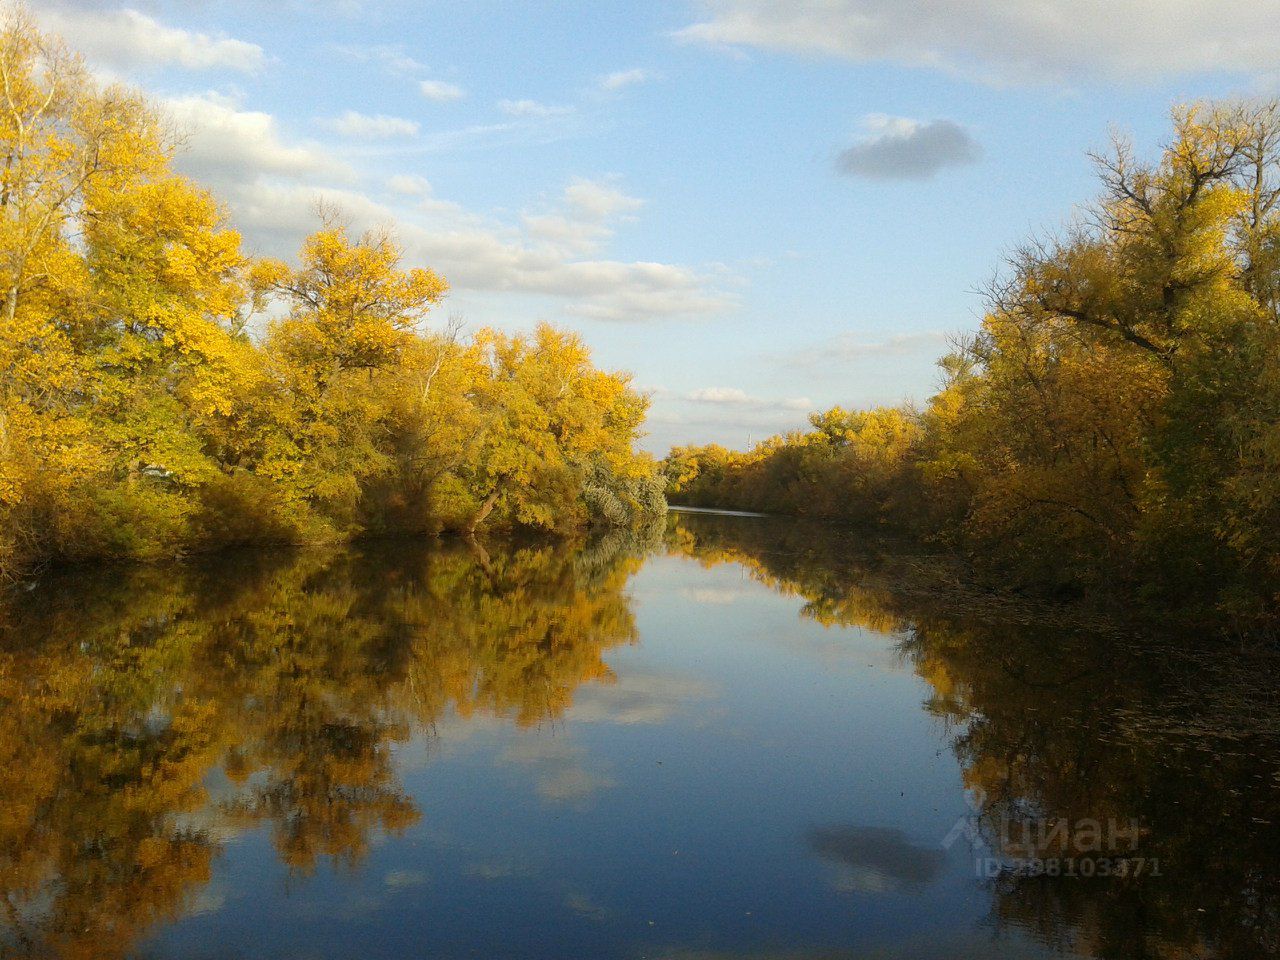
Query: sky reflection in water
x,y
749,741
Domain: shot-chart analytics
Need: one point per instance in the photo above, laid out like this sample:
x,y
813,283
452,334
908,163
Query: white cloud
x,y
594,200
409,185
439,91
566,233
272,185
1011,40
126,39
366,127
732,396
227,147
532,108
595,289
625,292
719,395
734,425
479,255
623,78
583,223
899,148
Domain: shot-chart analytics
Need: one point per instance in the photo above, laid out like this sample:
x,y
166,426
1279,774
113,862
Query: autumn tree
x,y
122,358
554,439
1113,420
352,316
160,391
1118,364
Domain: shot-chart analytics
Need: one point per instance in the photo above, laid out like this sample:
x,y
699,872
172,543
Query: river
x,y
741,737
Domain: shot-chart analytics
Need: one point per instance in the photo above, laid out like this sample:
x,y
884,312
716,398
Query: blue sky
x,y
759,207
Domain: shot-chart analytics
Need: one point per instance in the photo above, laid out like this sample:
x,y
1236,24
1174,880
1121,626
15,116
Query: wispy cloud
x,y
732,396
532,108
849,348
376,127
718,395
390,57
623,78
1010,42
597,200
409,185
439,91
271,184
584,218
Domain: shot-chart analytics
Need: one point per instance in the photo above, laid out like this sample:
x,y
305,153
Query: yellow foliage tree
x,y
142,413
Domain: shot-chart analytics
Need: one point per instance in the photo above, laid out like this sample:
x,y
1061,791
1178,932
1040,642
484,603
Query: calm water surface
x,y
743,739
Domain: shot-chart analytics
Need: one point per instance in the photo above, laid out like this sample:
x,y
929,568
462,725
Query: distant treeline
x,y
1115,421
160,390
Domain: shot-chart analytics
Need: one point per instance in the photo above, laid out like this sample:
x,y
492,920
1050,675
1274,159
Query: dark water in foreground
x,y
748,740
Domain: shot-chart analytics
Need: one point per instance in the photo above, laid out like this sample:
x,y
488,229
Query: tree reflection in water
x,y
151,712
125,690
1058,720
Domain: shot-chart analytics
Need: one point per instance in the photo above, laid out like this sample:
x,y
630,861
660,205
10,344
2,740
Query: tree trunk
x,y
482,556
486,508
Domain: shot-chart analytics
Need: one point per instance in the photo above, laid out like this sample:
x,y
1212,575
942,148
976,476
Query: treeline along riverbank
x,y
163,391
1114,425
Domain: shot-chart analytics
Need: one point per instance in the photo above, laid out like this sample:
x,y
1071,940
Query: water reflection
x,y
470,744
876,858
291,676
1057,723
